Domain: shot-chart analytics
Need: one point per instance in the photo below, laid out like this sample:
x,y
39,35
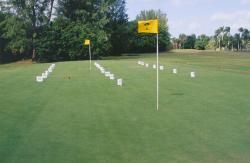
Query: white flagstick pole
x,y
157,67
89,57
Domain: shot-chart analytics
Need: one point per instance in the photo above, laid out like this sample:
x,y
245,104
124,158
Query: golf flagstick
x,y
157,67
90,57
88,42
152,26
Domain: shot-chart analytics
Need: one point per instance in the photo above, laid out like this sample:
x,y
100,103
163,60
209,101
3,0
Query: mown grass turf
x,y
80,116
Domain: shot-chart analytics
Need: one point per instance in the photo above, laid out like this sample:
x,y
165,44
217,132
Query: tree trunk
x,y
33,33
33,48
33,54
51,10
219,45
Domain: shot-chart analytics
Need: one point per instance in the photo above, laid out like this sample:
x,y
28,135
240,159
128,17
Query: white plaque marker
x,y
39,79
162,68
44,76
192,74
147,65
119,82
175,71
102,71
107,74
111,77
154,66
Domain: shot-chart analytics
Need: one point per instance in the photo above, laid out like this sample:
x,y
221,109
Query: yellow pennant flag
x,y
149,26
87,42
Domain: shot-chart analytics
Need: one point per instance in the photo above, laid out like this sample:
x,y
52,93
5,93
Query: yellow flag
x,y
149,26
87,42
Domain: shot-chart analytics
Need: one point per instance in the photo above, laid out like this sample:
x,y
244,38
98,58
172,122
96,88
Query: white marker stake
x,y
119,82
107,74
192,74
50,70
174,71
39,79
47,73
44,76
111,77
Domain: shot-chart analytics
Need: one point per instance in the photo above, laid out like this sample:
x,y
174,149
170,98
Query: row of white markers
x,y
108,74
46,74
192,74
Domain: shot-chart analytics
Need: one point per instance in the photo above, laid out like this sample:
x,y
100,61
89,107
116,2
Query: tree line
x,y
221,40
54,30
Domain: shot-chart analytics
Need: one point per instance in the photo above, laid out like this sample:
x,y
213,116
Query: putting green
x,y
81,116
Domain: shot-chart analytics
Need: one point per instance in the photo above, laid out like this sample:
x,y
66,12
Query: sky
x,y
197,16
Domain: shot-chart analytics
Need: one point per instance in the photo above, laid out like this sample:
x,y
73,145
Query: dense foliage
x,y
49,30
222,40
147,42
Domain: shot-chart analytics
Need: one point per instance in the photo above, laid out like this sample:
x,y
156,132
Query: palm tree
x,y
227,34
245,37
219,35
237,39
241,29
216,36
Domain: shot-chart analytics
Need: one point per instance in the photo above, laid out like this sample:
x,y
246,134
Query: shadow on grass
x,y
121,57
133,56
177,94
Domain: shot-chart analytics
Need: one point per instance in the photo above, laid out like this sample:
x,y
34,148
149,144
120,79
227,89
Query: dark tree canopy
x,y
142,43
54,30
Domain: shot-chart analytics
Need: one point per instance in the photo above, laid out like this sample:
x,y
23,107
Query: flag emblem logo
x,y
87,42
149,26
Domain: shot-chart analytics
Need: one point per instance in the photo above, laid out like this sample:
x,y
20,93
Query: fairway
x,y
81,116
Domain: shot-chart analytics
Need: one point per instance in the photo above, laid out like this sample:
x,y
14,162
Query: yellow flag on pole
x,y
87,42
149,26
